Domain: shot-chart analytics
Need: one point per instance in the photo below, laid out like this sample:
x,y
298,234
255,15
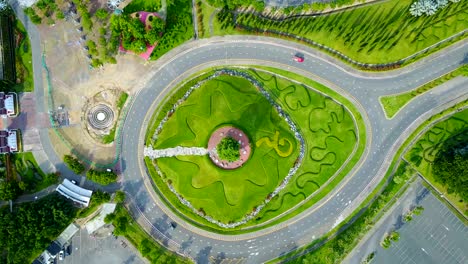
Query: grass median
x,y
392,104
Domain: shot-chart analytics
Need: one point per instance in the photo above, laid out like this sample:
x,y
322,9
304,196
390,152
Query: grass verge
x,y
24,71
145,244
392,104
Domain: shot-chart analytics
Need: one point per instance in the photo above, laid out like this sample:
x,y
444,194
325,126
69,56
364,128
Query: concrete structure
x,y
8,141
98,221
74,192
8,104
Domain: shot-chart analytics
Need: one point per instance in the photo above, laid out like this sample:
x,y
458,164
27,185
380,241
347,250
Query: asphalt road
x,y
363,88
267,244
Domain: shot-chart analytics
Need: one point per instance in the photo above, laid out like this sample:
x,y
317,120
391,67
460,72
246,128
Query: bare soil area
x,y
74,83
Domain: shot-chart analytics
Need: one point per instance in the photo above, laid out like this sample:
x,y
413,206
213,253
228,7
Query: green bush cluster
x,y
228,149
101,177
74,164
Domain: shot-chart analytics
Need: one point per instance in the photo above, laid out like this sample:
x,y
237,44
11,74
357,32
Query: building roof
x,y
7,104
54,248
67,234
8,141
74,192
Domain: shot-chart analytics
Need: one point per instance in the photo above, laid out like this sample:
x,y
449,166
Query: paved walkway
x,y
171,152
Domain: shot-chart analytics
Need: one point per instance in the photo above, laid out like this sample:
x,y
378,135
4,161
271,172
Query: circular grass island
x,y
293,139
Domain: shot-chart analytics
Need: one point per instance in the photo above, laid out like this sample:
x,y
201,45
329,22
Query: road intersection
x,y
364,88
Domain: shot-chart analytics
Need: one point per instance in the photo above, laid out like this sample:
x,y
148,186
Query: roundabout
x,y
305,219
277,239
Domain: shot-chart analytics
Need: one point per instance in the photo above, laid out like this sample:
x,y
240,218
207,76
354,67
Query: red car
x,y
298,58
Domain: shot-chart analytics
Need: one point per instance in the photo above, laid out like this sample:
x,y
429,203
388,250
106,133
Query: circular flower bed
x,y
229,147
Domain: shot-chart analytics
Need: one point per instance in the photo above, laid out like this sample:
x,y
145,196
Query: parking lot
x,y
104,248
435,236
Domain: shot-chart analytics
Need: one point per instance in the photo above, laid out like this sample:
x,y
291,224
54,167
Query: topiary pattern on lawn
x,y
225,195
228,149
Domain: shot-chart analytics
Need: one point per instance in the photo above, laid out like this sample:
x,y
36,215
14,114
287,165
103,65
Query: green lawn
x,y
330,135
143,5
233,193
395,102
339,246
207,11
326,125
30,172
23,55
423,152
379,33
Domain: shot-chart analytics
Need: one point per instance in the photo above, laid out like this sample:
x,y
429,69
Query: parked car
x,y
60,255
73,181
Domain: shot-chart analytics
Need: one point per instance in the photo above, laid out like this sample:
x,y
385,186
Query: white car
x,y
60,255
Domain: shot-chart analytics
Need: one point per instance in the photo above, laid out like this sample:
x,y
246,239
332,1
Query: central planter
x,y
236,134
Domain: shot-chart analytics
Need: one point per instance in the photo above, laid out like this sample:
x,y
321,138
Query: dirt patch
x,y
75,84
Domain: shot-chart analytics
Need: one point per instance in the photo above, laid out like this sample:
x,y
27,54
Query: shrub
x,y
74,164
228,149
60,14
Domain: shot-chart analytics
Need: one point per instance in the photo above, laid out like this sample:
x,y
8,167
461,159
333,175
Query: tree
x,y
101,13
119,196
450,167
109,218
9,190
228,149
74,164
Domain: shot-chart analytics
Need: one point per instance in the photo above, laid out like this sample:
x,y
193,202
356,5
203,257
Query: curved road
x,y
364,88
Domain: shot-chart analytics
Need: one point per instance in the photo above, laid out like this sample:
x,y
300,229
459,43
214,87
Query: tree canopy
x,y
31,227
228,149
74,164
450,166
133,35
